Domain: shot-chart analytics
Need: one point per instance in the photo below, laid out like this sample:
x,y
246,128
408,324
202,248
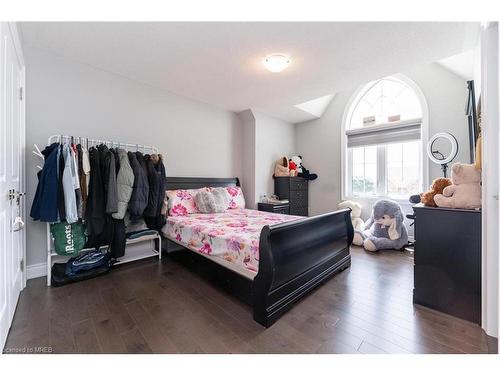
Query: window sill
x,y
373,198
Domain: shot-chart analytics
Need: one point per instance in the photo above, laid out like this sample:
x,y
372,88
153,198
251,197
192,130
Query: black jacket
x,y
108,171
60,190
157,185
140,191
99,224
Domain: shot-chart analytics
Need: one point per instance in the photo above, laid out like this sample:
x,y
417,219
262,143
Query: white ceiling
x,y
221,63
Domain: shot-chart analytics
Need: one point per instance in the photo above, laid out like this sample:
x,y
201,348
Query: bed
x,y
270,260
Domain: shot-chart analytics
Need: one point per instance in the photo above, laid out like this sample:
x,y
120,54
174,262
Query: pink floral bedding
x,y
232,235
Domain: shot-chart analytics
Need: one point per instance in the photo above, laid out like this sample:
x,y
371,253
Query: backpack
x,y
89,260
69,239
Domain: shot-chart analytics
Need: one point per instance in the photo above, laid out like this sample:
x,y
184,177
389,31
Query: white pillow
x,y
213,201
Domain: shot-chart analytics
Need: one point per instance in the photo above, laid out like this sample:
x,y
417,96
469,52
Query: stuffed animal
x,y
301,170
465,190
355,207
281,168
292,167
437,187
384,229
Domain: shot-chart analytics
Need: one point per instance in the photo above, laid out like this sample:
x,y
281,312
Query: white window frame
x,y
346,157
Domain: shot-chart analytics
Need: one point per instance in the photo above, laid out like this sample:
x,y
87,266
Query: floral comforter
x,y
232,235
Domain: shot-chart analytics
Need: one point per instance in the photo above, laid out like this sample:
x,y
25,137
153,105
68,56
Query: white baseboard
x,y
36,270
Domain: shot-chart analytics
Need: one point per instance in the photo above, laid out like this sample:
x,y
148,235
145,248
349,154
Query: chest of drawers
x,y
295,189
447,272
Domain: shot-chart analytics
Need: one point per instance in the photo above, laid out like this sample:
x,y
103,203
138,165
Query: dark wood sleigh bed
x,y
294,257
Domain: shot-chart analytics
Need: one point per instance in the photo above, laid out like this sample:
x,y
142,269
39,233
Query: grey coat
x,y
125,183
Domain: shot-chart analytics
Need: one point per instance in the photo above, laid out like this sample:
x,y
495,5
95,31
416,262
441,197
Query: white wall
x,y
273,139
319,141
248,173
265,139
72,98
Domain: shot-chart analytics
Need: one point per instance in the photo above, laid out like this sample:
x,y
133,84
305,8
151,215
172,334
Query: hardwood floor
x,y
146,307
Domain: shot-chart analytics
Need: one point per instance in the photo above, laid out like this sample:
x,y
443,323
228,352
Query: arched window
x,y
383,130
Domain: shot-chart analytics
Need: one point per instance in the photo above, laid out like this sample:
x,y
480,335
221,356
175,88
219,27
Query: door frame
x,y
22,132
490,177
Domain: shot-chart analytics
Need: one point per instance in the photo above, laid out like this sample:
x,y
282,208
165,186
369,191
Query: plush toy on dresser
x,y
301,170
465,190
437,187
384,229
357,222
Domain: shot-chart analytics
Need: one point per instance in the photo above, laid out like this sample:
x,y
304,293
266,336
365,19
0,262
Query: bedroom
x,y
205,113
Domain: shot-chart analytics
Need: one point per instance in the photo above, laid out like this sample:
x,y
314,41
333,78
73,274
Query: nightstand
x,y
279,208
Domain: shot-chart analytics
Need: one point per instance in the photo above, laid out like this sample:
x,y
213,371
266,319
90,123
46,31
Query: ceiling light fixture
x,y
276,62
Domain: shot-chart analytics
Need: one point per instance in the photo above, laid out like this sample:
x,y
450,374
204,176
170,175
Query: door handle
x,y
18,224
18,221
15,194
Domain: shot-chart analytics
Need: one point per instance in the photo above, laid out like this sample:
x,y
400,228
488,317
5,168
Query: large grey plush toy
x,y
384,229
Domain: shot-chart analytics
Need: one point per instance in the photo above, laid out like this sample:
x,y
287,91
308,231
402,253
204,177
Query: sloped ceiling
x,y
461,64
221,63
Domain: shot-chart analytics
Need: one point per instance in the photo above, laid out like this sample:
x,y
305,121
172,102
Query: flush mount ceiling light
x,y
276,62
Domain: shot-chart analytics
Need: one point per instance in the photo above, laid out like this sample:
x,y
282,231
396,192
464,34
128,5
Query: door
x,y
12,237
490,175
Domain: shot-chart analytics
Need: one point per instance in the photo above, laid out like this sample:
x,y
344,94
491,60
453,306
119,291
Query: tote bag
x,y
69,239
281,168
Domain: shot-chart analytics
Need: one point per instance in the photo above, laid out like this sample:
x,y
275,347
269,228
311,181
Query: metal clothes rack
x,y
89,142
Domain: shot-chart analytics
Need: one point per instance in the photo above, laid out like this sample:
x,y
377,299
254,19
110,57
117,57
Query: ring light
x,y
436,156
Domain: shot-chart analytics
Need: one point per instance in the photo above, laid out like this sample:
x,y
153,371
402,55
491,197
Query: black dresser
x,y
279,208
295,189
447,272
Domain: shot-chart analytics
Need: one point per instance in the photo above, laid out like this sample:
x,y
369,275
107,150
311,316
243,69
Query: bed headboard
x,y
174,183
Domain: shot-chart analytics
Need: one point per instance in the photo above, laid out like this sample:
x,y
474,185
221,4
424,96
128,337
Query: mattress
x,y
230,238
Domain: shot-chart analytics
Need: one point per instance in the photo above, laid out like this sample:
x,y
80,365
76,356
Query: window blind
x,y
401,131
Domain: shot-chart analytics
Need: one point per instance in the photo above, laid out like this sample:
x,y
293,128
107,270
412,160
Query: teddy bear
x,y
384,229
355,207
465,190
301,170
437,187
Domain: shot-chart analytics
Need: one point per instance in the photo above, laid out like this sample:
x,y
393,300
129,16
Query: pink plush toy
x,y
465,190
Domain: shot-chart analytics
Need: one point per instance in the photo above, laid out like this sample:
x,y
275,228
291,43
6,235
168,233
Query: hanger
x,y
37,151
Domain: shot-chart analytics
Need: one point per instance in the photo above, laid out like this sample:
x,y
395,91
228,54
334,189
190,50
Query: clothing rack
x,y
89,142
136,255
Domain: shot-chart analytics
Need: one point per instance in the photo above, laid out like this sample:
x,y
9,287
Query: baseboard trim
x,y
36,270
492,344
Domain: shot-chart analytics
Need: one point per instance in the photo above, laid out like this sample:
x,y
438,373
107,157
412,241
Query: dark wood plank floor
x,y
146,307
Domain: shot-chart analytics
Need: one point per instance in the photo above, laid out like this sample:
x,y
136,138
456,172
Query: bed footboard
x,y
297,256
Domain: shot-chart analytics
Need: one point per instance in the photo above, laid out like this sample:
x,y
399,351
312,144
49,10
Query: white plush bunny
x,y
355,207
